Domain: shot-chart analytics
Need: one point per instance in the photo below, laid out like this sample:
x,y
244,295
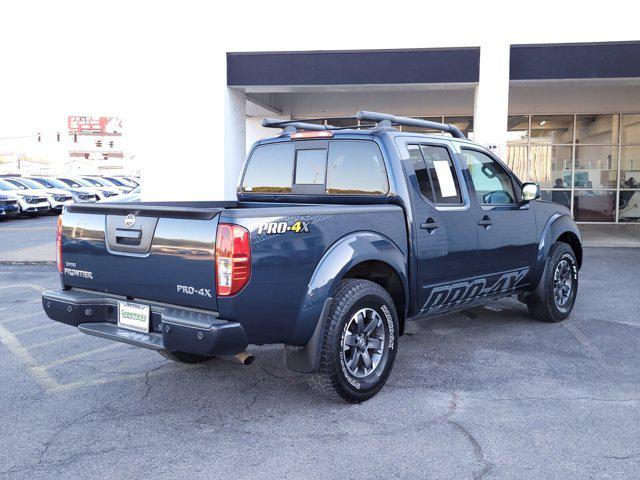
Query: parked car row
x,y
37,195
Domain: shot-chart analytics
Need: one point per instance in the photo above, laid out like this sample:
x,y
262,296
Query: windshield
x,y
126,182
82,182
71,183
115,181
4,185
50,182
16,183
95,182
26,181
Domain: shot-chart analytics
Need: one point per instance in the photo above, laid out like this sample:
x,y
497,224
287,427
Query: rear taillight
x,y
59,244
233,259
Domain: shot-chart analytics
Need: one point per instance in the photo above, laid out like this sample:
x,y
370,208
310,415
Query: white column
x,y
234,139
492,97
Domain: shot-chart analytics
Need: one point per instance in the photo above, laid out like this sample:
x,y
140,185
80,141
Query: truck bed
x,y
174,260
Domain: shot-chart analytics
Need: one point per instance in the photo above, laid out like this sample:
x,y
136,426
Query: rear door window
x,y
435,173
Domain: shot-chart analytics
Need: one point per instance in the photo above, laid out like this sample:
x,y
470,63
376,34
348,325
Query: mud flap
x,y
306,359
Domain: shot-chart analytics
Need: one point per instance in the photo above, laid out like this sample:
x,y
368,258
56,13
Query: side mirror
x,y
530,191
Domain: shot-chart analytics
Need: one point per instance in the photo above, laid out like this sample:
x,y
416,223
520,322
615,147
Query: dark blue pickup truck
x,y
339,236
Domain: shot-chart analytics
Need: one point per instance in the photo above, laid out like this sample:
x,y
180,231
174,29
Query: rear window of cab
x,y
336,167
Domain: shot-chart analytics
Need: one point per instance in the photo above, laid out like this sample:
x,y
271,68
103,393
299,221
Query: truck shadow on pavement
x,y
469,392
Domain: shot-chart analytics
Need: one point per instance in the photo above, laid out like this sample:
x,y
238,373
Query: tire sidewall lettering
x,y
391,328
574,273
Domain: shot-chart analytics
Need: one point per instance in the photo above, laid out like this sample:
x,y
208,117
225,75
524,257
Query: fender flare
x,y
557,224
344,254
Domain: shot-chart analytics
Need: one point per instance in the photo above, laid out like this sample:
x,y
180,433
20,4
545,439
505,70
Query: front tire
x,y
555,301
360,342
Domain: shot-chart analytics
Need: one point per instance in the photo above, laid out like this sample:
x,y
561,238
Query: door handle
x,y
430,225
486,222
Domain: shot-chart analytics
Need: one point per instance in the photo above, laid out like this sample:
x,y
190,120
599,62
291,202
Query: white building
x,y
555,87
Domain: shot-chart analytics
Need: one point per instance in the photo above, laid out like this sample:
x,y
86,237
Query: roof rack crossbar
x,y
387,119
291,126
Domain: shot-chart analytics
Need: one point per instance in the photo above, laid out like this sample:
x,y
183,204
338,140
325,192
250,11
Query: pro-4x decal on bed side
x,y
285,225
451,294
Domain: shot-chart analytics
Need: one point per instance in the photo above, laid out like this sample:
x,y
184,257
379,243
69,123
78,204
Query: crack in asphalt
x,y
475,444
622,457
584,340
147,379
40,463
271,374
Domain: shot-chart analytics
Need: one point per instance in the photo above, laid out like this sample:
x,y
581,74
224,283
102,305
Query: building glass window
x,y
551,166
594,206
465,124
518,130
589,163
404,128
630,167
631,129
517,157
551,129
560,196
342,122
629,206
596,167
597,129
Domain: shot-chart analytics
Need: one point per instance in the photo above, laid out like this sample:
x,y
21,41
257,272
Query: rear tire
x,y
359,344
184,357
555,302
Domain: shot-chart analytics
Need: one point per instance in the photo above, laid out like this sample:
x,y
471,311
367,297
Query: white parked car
x,y
132,196
31,202
80,195
101,193
103,182
57,198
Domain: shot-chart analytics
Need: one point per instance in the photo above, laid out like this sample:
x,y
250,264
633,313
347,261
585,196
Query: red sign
x,y
94,125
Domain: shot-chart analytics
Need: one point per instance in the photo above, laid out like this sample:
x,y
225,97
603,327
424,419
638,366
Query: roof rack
x,y
291,126
386,120
381,119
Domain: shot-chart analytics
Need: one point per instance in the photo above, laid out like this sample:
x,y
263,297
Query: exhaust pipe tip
x,y
245,358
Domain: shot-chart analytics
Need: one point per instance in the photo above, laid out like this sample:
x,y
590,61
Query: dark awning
x,y
575,60
374,67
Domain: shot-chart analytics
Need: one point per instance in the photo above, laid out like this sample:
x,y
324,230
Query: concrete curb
x,y
28,263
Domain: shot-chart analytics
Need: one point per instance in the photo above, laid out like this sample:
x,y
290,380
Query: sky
x,y
161,65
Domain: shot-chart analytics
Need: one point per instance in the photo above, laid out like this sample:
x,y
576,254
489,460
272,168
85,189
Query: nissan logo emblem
x,y
129,221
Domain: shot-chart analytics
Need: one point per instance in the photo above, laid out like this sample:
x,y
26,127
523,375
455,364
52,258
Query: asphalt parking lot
x,y
486,393
28,239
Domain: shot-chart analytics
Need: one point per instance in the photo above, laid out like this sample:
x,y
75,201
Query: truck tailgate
x,y
152,252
